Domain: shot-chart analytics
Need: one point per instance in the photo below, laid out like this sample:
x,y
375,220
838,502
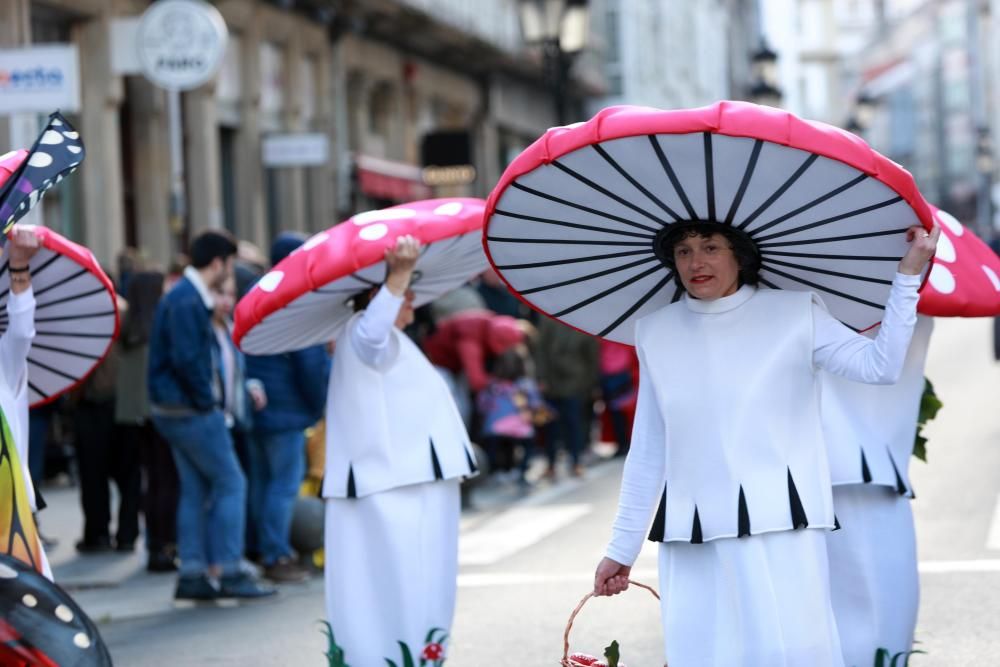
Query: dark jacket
x,y
183,365
295,383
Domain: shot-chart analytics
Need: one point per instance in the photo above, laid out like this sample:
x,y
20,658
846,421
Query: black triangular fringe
x,y
352,491
836,522
866,474
900,485
743,529
799,519
435,462
696,528
471,461
660,520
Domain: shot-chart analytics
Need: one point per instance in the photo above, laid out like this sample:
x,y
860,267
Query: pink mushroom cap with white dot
x,y
964,279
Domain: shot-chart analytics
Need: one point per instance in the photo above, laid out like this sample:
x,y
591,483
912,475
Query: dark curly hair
x,y
744,249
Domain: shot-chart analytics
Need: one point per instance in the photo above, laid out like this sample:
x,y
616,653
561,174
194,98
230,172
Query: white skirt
x,y
759,601
391,568
873,572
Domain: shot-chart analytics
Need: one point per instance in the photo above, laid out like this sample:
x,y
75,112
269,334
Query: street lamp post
x,y
764,70
560,28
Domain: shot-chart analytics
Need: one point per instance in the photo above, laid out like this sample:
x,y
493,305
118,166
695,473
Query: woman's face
x,y
707,266
225,299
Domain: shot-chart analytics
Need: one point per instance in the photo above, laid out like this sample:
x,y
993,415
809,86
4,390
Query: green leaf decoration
x,y
881,657
611,653
430,636
930,404
905,655
407,655
390,663
334,654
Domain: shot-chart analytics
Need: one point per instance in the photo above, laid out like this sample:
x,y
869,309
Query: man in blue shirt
x,y
186,395
295,383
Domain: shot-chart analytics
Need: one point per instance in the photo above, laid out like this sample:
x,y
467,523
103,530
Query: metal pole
x,y
984,176
178,198
555,63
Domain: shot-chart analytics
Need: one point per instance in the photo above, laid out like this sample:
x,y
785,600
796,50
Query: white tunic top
x,y
727,432
390,418
15,343
870,430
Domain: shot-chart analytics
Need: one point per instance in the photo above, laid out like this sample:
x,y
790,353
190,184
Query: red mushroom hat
x,y
307,297
76,310
964,280
575,225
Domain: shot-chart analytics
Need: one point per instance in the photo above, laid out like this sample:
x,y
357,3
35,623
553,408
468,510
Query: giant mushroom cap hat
x,y
964,279
76,311
577,220
307,298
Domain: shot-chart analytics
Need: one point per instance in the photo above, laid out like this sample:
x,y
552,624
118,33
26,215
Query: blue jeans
x,y
211,511
568,427
277,466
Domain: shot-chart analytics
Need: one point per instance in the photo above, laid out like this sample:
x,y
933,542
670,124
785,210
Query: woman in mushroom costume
x,y
727,448
396,445
870,433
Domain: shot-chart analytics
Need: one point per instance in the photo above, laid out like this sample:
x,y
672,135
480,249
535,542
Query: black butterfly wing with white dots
x,y
58,151
41,624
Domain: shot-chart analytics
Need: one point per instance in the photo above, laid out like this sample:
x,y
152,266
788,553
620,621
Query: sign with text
x,y
295,150
181,43
40,79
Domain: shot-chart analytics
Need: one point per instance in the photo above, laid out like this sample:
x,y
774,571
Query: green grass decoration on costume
x,y
929,406
902,659
334,654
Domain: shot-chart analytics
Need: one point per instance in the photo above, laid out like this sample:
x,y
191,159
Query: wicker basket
x,y
572,617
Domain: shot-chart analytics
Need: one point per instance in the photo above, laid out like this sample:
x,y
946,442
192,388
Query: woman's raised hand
x,y
922,247
611,577
401,258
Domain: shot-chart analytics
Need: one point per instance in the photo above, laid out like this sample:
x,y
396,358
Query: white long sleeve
x,y
643,477
16,341
372,333
840,351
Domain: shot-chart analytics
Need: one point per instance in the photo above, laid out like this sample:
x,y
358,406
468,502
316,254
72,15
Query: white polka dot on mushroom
x,y
81,640
316,240
29,600
992,275
369,217
451,208
949,221
945,249
74,149
51,137
7,572
56,122
64,613
373,232
270,282
942,279
39,159
72,135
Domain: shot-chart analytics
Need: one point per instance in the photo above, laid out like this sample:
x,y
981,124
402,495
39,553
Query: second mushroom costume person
x,y
397,448
746,230
870,433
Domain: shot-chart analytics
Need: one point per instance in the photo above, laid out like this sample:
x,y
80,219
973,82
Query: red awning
x,y
385,179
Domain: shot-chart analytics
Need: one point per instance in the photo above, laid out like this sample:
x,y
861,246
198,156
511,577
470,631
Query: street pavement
x,y
527,559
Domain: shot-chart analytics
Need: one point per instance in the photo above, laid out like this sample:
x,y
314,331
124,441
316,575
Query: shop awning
x,y
386,179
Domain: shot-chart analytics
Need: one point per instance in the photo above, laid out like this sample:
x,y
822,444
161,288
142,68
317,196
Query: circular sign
x,y
181,43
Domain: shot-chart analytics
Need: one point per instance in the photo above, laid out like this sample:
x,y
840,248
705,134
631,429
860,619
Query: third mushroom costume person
x,y
397,448
870,433
730,245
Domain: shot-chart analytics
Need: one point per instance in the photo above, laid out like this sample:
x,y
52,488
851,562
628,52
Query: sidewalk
x,y
114,587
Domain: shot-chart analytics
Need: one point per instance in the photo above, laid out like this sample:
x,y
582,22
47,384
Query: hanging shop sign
x,y
38,79
181,43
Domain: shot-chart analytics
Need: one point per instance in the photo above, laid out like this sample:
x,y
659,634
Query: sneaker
x,y
285,571
242,585
198,587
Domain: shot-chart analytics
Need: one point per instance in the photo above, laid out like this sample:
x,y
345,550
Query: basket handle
x,y
579,607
